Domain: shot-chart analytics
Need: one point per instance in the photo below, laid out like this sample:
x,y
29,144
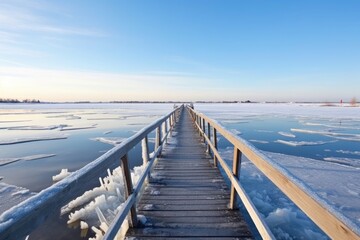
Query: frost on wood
x,y
99,206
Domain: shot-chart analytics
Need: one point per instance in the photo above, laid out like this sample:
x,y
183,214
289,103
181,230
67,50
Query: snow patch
x,y
63,174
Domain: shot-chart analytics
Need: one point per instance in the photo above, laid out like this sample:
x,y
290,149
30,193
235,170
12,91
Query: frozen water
x,y
110,140
5,161
63,174
287,134
303,143
258,141
344,161
12,195
30,139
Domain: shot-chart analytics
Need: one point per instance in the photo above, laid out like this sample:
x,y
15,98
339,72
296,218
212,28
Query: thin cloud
x,y
19,17
21,22
58,85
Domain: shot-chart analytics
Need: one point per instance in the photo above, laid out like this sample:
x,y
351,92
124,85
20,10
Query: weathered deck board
x,y
186,196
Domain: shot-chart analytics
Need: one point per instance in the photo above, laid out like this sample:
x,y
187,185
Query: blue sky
x,y
180,50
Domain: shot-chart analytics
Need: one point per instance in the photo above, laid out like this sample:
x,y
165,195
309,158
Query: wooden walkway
x,y
187,197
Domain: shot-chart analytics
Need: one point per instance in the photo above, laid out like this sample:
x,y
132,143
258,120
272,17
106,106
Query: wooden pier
x,y
181,192
187,197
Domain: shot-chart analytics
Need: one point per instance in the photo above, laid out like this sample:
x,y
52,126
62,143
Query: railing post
x,y
145,150
128,188
209,136
236,164
203,129
215,145
164,130
157,138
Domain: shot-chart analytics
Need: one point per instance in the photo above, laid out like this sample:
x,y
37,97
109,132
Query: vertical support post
x,y
236,164
157,138
209,136
145,150
203,129
215,145
128,188
165,130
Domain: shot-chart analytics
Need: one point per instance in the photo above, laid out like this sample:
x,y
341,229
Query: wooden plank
x,y
172,201
188,232
195,213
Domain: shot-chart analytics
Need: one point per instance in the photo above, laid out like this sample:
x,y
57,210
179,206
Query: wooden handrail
x,y
321,213
129,204
19,221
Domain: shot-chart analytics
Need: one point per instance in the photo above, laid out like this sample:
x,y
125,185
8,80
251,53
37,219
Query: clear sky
x,y
68,50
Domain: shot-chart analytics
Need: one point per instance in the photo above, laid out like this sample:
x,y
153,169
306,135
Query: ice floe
x,y
258,141
303,143
264,131
235,131
287,134
349,152
52,127
5,161
63,174
30,139
12,195
77,128
344,161
109,140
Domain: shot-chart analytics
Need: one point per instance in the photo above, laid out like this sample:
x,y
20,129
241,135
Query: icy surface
x,y
5,161
63,174
38,127
344,161
12,195
102,203
109,140
30,139
330,135
302,143
336,185
258,141
287,134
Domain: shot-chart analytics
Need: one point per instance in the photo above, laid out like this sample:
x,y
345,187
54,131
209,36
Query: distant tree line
x,y
10,100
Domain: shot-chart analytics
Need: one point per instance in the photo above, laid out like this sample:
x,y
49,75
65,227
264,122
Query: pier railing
x,y
320,213
21,220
